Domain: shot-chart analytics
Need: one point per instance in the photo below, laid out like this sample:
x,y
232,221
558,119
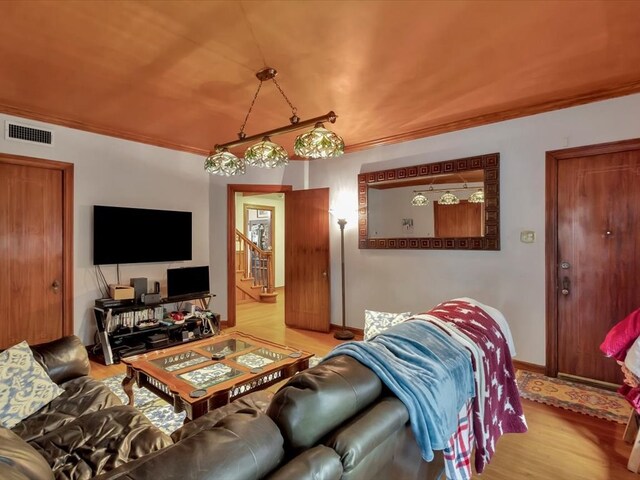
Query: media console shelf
x,y
120,334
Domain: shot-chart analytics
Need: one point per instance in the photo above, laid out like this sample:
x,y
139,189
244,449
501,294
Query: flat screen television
x,y
139,235
187,281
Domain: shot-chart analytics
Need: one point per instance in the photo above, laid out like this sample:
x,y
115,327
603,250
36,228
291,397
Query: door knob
x,y
324,274
566,286
56,286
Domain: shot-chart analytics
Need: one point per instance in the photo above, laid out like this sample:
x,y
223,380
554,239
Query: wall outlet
x,y
527,236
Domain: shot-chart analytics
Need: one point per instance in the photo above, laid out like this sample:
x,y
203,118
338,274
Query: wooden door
x,y
598,252
306,267
32,253
464,219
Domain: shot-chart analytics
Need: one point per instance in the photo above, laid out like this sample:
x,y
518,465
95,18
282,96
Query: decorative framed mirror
x,y
450,205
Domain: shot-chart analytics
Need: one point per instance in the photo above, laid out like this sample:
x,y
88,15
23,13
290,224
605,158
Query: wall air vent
x,y
28,134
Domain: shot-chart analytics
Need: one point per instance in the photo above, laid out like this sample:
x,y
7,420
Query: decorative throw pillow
x,y
632,360
25,387
377,322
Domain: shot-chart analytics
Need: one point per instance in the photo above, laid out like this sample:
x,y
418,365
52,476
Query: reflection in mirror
x,y
438,206
447,205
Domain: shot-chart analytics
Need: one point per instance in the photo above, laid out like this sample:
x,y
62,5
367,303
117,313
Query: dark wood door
x,y
598,205
306,266
464,219
31,254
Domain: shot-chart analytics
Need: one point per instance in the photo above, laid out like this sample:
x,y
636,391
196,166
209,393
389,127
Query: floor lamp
x,y
343,334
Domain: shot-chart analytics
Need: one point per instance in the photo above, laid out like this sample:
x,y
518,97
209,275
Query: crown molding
x,y
479,120
509,114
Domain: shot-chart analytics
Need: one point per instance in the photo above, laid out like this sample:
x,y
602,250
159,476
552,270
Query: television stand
x,y
126,330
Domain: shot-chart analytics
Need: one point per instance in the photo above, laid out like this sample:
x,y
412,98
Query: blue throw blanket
x,y
427,370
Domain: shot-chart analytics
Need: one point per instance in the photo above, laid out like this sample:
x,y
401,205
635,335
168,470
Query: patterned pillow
x,y
378,322
24,385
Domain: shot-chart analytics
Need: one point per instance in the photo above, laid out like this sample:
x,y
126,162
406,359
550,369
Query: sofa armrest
x,y
317,463
320,399
258,400
368,441
245,445
63,359
362,434
10,473
19,460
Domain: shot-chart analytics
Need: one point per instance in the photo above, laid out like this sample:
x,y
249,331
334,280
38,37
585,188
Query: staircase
x,y
254,272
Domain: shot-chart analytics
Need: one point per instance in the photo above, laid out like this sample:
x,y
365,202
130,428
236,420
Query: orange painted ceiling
x,y
181,73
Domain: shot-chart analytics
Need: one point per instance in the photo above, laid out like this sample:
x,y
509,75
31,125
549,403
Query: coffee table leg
x,y
127,386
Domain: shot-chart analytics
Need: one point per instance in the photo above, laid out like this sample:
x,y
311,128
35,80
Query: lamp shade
x,y
448,198
266,154
224,163
419,200
477,197
319,143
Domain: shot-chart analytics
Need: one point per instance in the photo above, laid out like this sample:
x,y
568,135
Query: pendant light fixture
x,y
419,200
266,154
224,163
318,143
448,198
477,197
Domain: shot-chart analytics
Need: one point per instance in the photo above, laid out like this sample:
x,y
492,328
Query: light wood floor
x,y
560,445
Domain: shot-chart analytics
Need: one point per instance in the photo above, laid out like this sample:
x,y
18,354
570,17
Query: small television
x,y
187,281
139,235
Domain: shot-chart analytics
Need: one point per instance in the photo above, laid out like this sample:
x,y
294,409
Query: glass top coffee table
x,y
204,375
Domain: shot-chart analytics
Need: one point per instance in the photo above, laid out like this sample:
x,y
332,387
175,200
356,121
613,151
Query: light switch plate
x,y
527,236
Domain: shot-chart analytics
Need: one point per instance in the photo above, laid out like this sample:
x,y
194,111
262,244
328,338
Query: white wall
x,y
394,205
110,171
511,279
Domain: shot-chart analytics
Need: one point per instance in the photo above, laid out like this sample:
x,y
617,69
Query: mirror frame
x,y
490,163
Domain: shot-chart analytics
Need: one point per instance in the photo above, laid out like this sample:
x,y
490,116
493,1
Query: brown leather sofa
x,y
343,406
332,421
336,421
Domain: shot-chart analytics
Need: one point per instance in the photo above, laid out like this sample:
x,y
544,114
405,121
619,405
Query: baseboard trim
x,y
588,381
358,332
530,367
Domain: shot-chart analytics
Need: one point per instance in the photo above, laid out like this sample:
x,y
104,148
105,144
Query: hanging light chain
x,y
294,118
317,143
241,134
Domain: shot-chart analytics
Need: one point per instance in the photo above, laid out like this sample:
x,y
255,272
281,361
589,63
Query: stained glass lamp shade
x,y
266,154
448,198
419,200
224,163
319,143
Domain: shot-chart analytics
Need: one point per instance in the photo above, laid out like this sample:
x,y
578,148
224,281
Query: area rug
x,y
155,409
573,396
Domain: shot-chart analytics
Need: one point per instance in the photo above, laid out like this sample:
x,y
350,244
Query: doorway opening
x,y
259,248
305,252
255,249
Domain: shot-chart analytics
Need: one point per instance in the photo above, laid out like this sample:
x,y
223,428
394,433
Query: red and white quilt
x,y
496,406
